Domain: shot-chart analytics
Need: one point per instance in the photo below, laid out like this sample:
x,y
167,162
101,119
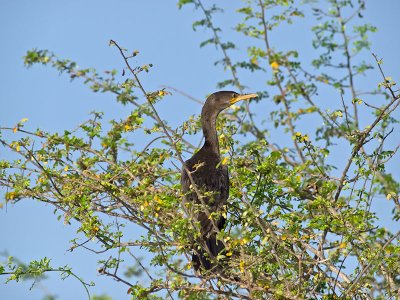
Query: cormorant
x,y
211,180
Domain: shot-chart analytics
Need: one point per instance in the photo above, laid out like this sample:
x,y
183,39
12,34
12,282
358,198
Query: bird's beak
x,y
242,97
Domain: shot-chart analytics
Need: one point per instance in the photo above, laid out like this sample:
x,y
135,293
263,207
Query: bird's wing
x,y
224,184
218,183
189,197
185,182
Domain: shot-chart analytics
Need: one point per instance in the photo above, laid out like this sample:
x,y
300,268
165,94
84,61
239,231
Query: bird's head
x,y
219,101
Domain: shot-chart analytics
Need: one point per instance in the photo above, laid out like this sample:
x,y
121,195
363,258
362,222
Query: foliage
x,y
301,223
17,271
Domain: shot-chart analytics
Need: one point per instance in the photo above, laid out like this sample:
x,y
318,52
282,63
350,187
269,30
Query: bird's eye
x,y
234,95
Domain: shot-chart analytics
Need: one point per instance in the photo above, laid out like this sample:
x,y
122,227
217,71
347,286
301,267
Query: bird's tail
x,y
206,258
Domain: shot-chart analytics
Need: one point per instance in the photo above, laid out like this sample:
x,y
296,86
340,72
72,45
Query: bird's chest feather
x,y
210,177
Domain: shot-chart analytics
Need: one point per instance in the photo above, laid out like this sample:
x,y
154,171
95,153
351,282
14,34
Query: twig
x,y
183,94
349,290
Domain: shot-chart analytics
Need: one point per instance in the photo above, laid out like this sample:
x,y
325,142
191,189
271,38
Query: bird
x,y
211,180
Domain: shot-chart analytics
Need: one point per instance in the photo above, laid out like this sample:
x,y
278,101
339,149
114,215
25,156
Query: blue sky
x,y
80,31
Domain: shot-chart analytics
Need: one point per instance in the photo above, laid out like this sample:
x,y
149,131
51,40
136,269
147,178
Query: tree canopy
x,y
301,222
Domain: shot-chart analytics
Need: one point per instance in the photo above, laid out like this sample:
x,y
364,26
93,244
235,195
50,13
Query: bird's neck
x,y
208,122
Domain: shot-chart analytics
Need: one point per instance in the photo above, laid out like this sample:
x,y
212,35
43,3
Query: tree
x,y
300,222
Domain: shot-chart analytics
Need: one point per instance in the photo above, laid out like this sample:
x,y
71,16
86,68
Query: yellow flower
x,y
241,265
158,199
274,65
10,195
338,113
144,205
342,245
310,109
229,254
265,240
225,160
305,237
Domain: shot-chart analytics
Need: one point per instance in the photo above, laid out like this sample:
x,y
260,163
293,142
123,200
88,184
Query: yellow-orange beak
x,y
242,97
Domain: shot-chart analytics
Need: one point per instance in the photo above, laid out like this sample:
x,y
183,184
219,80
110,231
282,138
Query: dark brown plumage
x,y
211,180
